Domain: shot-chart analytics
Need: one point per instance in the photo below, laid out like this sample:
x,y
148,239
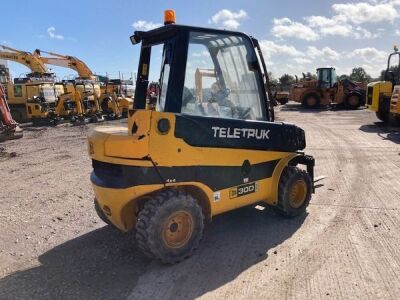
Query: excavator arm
x,y
9,129
25,58
65,61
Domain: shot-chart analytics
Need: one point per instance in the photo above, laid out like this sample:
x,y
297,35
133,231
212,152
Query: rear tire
x,y
388,118
294,192
311,100
353,101
170,226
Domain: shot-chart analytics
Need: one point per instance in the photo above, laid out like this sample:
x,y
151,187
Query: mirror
x,y
135,39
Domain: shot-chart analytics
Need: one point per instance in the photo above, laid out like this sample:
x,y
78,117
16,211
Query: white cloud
x,y
270,48
287,28
228,19
365,12
369,55
202,53
145,25
397,32
302,60
338,26
323,54
51,31
337,29
321,21
348,17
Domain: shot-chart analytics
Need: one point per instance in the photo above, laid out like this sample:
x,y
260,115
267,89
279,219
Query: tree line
x,y
357,74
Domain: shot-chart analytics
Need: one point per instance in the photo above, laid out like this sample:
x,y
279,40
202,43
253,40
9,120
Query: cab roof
x,y
170,30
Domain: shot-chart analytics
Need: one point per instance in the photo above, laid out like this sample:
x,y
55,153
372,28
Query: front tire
x,y
353,101
170,226
311,101
294,192
383,116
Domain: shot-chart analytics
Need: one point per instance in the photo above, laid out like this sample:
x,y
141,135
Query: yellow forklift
x,y
383,96
199,153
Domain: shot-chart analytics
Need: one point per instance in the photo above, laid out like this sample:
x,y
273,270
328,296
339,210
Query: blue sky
x,y
294,37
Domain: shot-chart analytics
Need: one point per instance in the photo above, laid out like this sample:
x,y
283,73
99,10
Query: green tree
x,y
359,74
272,79
286,79
311,76
394,69
343,76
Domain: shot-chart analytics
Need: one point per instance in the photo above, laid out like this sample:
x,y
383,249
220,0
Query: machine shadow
x,y
294,106
106,264
391,133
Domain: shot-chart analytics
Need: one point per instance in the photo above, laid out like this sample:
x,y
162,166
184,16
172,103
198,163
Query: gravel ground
x,y
52,244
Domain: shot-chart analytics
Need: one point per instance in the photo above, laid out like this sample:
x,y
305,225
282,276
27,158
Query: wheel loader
x,y
202,151
327,89
383,96
9,129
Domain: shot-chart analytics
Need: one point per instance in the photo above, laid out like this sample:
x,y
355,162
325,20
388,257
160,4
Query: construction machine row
x,y
39,97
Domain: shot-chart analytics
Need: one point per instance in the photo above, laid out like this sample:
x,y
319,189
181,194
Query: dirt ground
x,y
52,244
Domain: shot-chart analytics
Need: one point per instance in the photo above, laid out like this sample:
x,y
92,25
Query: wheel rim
x,y
298,193
353,100
178,229
311,101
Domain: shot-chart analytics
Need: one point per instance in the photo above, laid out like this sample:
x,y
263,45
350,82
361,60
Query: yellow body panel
x,y
379,89
117,146
21,97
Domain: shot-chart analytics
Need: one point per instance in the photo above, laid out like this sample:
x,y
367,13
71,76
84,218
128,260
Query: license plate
x,y
244,189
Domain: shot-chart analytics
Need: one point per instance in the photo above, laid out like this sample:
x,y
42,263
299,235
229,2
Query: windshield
x,y
221,78
324,77
334,77
128,90
393,67
4,75
47,92
59,89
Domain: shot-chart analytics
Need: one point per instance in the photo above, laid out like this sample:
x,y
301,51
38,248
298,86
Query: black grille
x,y
100,167
369,95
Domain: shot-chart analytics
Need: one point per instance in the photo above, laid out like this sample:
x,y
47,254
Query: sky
x,y
294,38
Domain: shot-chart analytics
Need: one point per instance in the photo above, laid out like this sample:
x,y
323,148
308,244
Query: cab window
x,y
17,90
221,78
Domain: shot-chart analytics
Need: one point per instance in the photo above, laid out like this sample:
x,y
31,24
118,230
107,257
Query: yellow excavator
x,y
87,86
66,107
31,98
120,90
